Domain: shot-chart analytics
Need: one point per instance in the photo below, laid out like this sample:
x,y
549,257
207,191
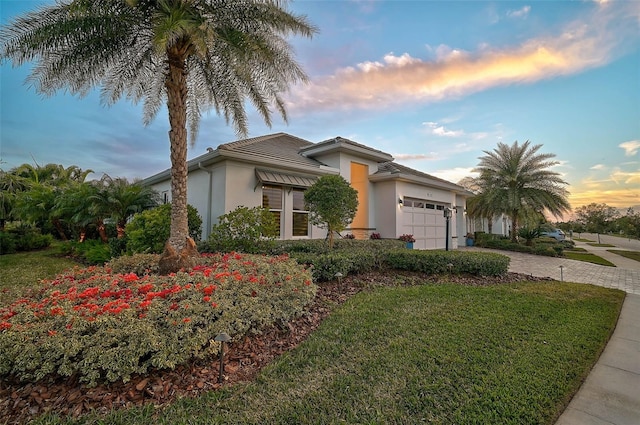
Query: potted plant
x,y
408,240
470,237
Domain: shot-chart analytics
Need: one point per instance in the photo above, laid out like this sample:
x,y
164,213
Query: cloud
x,y
631,147
619,198
454,73
598,167
625,177
439,130
414,156
454,174
520,13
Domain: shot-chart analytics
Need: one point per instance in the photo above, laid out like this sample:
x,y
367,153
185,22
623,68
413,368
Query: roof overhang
x,y
423,181
284,179
340,144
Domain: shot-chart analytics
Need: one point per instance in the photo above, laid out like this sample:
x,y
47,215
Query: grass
x,y
587,257
20,271
602,245
634,255
443,354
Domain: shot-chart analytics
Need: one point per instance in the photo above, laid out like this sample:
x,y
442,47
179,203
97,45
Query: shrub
x,y
529,234
349,256
140,264
375,235
149,230
118,246
7,243
23,238
250,230
458,262
105,326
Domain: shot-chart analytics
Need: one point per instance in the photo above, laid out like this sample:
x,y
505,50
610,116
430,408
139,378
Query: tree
x,y
120,200
515,180
596,217
74,206
332,203
37,206
190,54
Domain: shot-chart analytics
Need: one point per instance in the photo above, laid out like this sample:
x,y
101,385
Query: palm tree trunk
x,y
180,250
120,229
514,227
176,85
102,231
58,227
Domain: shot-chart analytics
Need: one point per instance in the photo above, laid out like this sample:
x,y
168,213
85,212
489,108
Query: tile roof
x,y
279,147
395,168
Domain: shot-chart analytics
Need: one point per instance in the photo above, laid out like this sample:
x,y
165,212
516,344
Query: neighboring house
x,y
273,171
497,225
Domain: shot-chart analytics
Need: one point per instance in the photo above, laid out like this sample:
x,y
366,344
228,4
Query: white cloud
x,y
395,79
454,174
439,130
414,157
631,147
598,167
520,13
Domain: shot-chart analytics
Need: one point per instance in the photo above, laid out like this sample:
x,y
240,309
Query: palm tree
x,y
74,206
515,180
120,199
189,54
38,206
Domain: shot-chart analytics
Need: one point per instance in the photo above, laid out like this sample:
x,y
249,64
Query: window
x,y
272,200
300,214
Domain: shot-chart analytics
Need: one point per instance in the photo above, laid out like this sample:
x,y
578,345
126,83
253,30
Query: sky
x,y
436,84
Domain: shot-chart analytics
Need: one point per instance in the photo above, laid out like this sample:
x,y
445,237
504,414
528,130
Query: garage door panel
x,y
426,225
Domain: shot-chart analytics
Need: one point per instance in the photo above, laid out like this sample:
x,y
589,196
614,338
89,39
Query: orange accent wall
x,y
360,182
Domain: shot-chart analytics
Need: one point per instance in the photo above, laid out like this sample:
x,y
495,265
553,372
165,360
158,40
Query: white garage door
x,y
425,221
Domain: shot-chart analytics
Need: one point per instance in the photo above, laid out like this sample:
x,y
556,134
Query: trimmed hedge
x,y
540,247
22,239
456,262
348,256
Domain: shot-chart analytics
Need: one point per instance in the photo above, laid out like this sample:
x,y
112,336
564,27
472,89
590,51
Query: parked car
x,y
557,234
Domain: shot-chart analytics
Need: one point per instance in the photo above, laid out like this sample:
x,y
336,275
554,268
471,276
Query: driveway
x,y
625,276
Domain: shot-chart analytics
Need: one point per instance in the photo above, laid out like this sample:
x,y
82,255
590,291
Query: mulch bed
x,y
243,359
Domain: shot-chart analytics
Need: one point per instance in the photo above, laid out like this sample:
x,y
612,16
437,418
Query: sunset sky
x,y
434,83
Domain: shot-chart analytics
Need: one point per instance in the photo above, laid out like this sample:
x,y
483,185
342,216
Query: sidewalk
x,y
611,393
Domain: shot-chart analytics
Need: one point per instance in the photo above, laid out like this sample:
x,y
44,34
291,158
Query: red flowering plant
x,y
105,325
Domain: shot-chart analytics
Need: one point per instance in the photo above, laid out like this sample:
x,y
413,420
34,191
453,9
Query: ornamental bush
x,y
250,230
456,262
103,325
148,231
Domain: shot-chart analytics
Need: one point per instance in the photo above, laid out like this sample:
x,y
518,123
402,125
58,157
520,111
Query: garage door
x,y
425,220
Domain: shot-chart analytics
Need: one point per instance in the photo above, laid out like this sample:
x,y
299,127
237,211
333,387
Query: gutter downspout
x,y
207,231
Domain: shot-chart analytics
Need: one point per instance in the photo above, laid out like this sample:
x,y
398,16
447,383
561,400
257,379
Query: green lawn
x,y
442,354
602,245
582,255
634,255
20,271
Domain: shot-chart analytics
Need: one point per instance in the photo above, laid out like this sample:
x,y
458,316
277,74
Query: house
x,y
273,171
